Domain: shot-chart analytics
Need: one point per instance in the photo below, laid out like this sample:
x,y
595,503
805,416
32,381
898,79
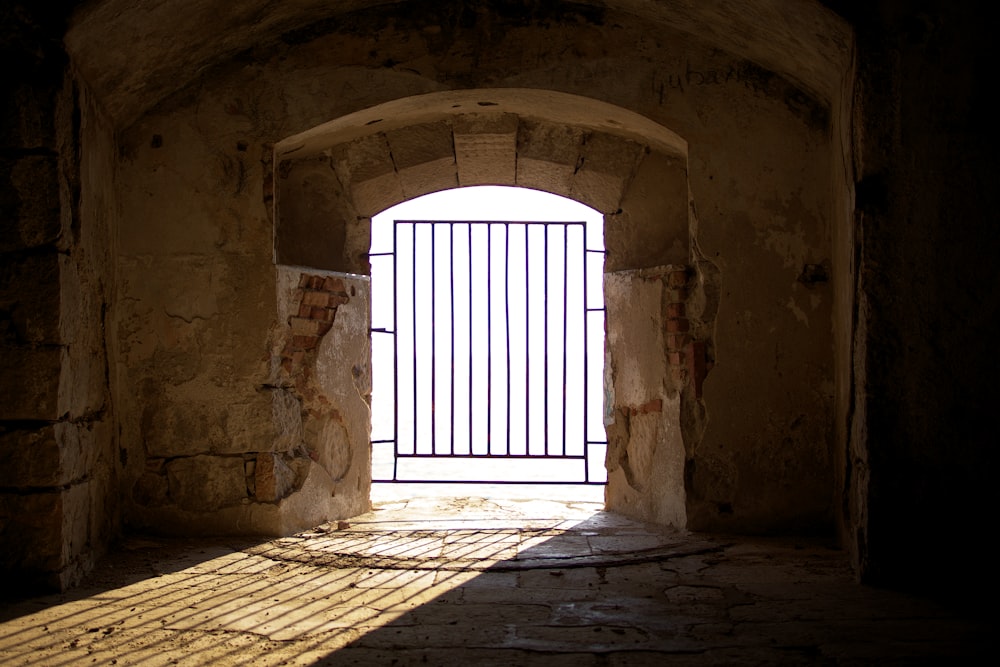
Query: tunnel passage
x,y
623,165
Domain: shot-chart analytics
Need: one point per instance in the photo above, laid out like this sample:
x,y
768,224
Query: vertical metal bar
x,y
470,337
489,340
413,302
564,328
433,341
395,353
506,306
527,346
586,371
545,335
451,274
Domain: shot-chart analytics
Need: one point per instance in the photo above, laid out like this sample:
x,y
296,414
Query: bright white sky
x,y
488,202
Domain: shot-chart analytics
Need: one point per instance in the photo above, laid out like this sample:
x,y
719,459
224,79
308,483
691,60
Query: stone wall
x,y
58,458
188,105
201,325
921,449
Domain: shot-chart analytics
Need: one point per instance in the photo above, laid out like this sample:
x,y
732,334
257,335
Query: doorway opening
x,y
488,344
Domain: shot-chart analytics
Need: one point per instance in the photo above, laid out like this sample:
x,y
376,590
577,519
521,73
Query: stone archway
x,y
331,180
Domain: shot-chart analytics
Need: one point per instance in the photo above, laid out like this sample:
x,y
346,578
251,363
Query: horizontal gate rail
x,y
454,304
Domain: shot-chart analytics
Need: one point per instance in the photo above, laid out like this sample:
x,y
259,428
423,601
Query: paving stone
x,y
404,590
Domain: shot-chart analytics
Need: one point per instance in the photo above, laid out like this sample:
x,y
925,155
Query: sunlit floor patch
x,y
473,581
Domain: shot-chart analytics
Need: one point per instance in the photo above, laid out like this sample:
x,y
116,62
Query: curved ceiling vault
x,y
135,53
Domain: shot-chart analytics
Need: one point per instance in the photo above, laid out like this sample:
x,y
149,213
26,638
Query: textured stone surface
x,y
604,170
653,227
763,100
205,483
310,206
548,584
424,156
31,386
29,208
646,453
30,298
548,156
51,456
273,478
486,149
195,348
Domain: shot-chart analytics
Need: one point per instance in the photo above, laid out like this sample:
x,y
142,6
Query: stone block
x,y
31,383
366,168
29,457
188,426
206,483
424,156
486,149
418,144
50,456
652,229
31,530
376,194
84,388
605,171
29,202
429,177
547,156
273,478
312,217
26,116
78,506
30,297
151,490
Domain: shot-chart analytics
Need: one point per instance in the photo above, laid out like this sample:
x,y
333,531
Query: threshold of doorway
x,y
383,492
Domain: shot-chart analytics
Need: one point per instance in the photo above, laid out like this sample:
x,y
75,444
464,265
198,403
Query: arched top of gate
x,y
572,111
333,177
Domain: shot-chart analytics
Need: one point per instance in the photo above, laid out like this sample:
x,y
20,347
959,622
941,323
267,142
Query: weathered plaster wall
x,y
763,199
58,460
923,442
646,454
568,145
198,322
218,439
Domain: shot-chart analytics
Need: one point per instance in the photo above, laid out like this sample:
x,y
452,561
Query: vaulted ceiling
x,y
135,53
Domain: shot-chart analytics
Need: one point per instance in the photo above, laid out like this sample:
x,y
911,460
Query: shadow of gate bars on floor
x,y
495,329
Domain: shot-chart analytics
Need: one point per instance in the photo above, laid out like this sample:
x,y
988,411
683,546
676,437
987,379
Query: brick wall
x,y
317,300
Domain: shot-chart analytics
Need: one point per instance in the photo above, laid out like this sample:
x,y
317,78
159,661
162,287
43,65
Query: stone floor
x,y
475,582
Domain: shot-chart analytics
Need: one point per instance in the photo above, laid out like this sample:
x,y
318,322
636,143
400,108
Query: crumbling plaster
x,y
199,291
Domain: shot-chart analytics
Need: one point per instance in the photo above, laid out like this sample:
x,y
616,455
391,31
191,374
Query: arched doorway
x,y
330,181
488,340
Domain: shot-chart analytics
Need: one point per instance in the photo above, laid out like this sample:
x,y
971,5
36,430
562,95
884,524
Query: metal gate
x,y
495,329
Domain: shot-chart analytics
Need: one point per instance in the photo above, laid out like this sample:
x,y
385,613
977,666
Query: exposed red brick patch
x,y
653,405
319,297
305,342
677,341
697,368
334,285
678,325
677,278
